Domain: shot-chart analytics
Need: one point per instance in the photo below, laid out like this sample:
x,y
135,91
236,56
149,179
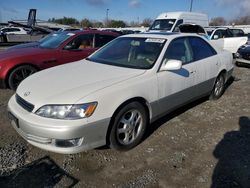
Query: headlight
x,y
76,111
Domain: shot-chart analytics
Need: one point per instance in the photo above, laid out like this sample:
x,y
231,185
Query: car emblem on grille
x,y
27,93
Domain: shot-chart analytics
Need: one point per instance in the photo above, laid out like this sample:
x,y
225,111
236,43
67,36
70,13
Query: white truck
x,y
224,38
169,21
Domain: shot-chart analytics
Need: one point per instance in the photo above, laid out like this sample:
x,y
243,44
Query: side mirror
x,y
171,64
216,37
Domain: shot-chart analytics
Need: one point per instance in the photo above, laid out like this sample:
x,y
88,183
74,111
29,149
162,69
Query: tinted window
x,y
201,49
102,40
179,49
237,32
223,33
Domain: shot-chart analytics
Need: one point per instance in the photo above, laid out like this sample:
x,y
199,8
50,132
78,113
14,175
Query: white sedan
x,y
13,30
115,94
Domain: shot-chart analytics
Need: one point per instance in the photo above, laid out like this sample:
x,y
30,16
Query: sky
x,y
127,10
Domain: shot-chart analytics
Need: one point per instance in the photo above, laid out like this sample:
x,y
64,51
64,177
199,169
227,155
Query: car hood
x,y
25,45
23,52
69,83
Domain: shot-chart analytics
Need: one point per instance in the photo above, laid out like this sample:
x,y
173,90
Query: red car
x,y
56,49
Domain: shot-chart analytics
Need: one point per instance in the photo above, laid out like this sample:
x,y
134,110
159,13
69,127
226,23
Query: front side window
x,y
201,49
179,49
176,28
81,42
131,52
163,24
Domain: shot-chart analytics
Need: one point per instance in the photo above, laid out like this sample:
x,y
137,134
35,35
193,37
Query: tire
x,y
219,88
128,127
18,74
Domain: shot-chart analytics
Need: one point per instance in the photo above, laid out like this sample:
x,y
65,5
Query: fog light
x,y
237,55
68,143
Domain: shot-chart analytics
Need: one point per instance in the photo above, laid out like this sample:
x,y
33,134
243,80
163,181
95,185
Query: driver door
x,y
175,87
79,48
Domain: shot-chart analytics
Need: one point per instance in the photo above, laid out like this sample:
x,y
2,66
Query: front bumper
x,y
244,61
44,132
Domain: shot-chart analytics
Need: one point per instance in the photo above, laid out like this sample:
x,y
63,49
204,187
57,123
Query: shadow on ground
x,y
233,154
43,172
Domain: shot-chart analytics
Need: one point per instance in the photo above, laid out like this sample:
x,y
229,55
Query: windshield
x,y
166,24
54,40
131,52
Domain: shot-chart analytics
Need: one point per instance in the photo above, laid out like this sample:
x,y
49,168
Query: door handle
x,y
192,72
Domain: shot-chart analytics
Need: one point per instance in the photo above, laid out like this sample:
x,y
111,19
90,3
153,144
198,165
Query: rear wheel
x,y
219,87
128,127
19,74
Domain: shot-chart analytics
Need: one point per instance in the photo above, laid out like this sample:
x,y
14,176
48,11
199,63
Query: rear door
x,y
207,65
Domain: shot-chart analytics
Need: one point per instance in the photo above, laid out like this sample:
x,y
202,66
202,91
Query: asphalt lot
x,y
204,144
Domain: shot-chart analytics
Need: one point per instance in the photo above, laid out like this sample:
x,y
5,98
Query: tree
x,y
86,23
134,24
147,22
97,24
65,21
116,23
244,20
218,21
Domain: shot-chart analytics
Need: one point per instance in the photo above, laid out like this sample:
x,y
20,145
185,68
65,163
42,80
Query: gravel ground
x,y
204,144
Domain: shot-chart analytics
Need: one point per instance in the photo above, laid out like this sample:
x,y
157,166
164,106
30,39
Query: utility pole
x,y
191,5
107,15
1,16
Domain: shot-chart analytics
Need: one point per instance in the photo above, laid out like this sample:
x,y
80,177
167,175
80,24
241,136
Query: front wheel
x,y
219,87
19,74
128,127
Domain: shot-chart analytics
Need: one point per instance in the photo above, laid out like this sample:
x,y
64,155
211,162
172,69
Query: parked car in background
x,y
112,96
69,29
193,28
169,21
31,44
57,49
226,38
238,32
243,55
13,30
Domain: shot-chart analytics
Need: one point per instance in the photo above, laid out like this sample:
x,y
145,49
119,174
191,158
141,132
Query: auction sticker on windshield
x,y
155,40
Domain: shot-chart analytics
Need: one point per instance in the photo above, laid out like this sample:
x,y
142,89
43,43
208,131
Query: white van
x,y
170,21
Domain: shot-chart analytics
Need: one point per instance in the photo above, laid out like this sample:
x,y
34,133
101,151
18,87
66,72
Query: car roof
x,y
92,31
163,35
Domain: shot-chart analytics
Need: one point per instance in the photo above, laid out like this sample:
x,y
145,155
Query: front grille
x,y
23,103
246,56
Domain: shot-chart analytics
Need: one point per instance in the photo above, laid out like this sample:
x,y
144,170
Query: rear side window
x,y
102,40
201,49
